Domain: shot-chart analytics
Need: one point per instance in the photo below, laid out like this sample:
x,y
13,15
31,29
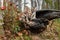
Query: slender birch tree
x,y
2,3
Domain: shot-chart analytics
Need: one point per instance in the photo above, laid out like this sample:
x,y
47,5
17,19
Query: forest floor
x,y
51,33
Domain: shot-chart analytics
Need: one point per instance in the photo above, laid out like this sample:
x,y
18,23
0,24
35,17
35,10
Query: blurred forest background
x,y
9,19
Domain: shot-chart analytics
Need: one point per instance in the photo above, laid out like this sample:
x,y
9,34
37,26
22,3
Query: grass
x,y
1,21
57,24
1,30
